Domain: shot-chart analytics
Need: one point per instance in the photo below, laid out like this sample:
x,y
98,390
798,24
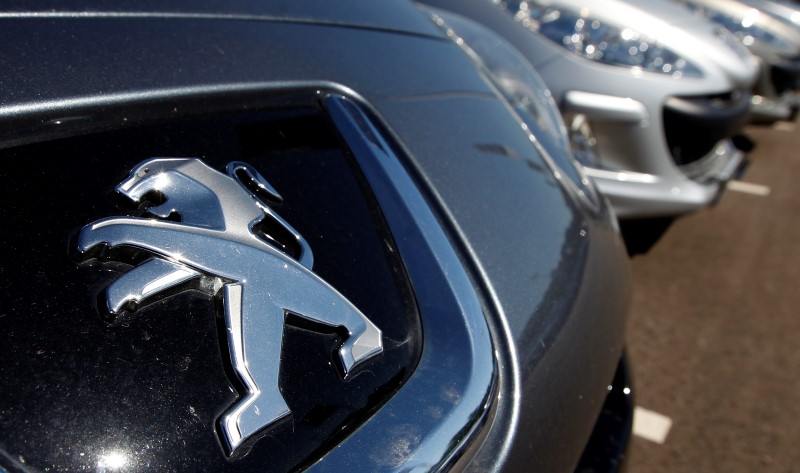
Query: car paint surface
x,y
550,272
624,105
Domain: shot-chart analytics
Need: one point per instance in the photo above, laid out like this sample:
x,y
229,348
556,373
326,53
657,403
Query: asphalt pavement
x,y
714,333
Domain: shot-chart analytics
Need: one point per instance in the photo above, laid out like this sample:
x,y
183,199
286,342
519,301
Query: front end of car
x,y
626,95
774,41
278,237
787,11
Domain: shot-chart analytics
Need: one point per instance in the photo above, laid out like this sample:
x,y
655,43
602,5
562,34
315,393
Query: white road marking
x,y
784,126
650,425
748,188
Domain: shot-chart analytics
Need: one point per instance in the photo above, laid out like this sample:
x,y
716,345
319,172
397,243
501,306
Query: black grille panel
x,y
786,75
152,386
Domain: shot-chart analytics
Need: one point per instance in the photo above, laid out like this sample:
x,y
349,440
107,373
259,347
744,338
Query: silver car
x,y
770,30
651,93
785,10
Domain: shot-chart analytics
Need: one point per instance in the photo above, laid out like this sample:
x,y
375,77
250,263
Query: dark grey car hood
x,y
393,15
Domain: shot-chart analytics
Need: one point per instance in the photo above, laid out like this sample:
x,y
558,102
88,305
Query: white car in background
x,y
650,92
785,10
771,30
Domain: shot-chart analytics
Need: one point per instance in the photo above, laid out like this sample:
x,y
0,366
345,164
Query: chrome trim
x,y
607,107
622,176
259,284
719,165
262,192
148,280
456,375
763,108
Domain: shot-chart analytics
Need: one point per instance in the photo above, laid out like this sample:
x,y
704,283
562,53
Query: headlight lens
x,y
599,41
744,27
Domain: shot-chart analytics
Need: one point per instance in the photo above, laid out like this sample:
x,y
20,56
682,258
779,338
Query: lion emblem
x,y
215,242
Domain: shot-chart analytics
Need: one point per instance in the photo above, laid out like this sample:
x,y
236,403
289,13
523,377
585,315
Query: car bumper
x,y
640,195
694,125
765,109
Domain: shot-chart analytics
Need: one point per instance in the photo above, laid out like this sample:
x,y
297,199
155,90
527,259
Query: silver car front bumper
x,y
643,195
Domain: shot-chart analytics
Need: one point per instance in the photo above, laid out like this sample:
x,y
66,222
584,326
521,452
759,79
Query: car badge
x,y
216,243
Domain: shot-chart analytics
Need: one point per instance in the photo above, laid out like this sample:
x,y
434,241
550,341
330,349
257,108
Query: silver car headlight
x,y
743,26
598,40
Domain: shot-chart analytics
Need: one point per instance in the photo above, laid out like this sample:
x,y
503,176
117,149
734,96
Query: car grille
x,y
156,381
693,125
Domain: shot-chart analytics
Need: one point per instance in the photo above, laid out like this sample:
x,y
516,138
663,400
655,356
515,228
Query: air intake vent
x,y
694,125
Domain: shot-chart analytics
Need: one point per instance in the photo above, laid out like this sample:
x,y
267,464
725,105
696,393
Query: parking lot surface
x,y
714,334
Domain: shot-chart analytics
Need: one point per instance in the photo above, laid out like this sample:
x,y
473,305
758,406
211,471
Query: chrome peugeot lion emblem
x,y
215,243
